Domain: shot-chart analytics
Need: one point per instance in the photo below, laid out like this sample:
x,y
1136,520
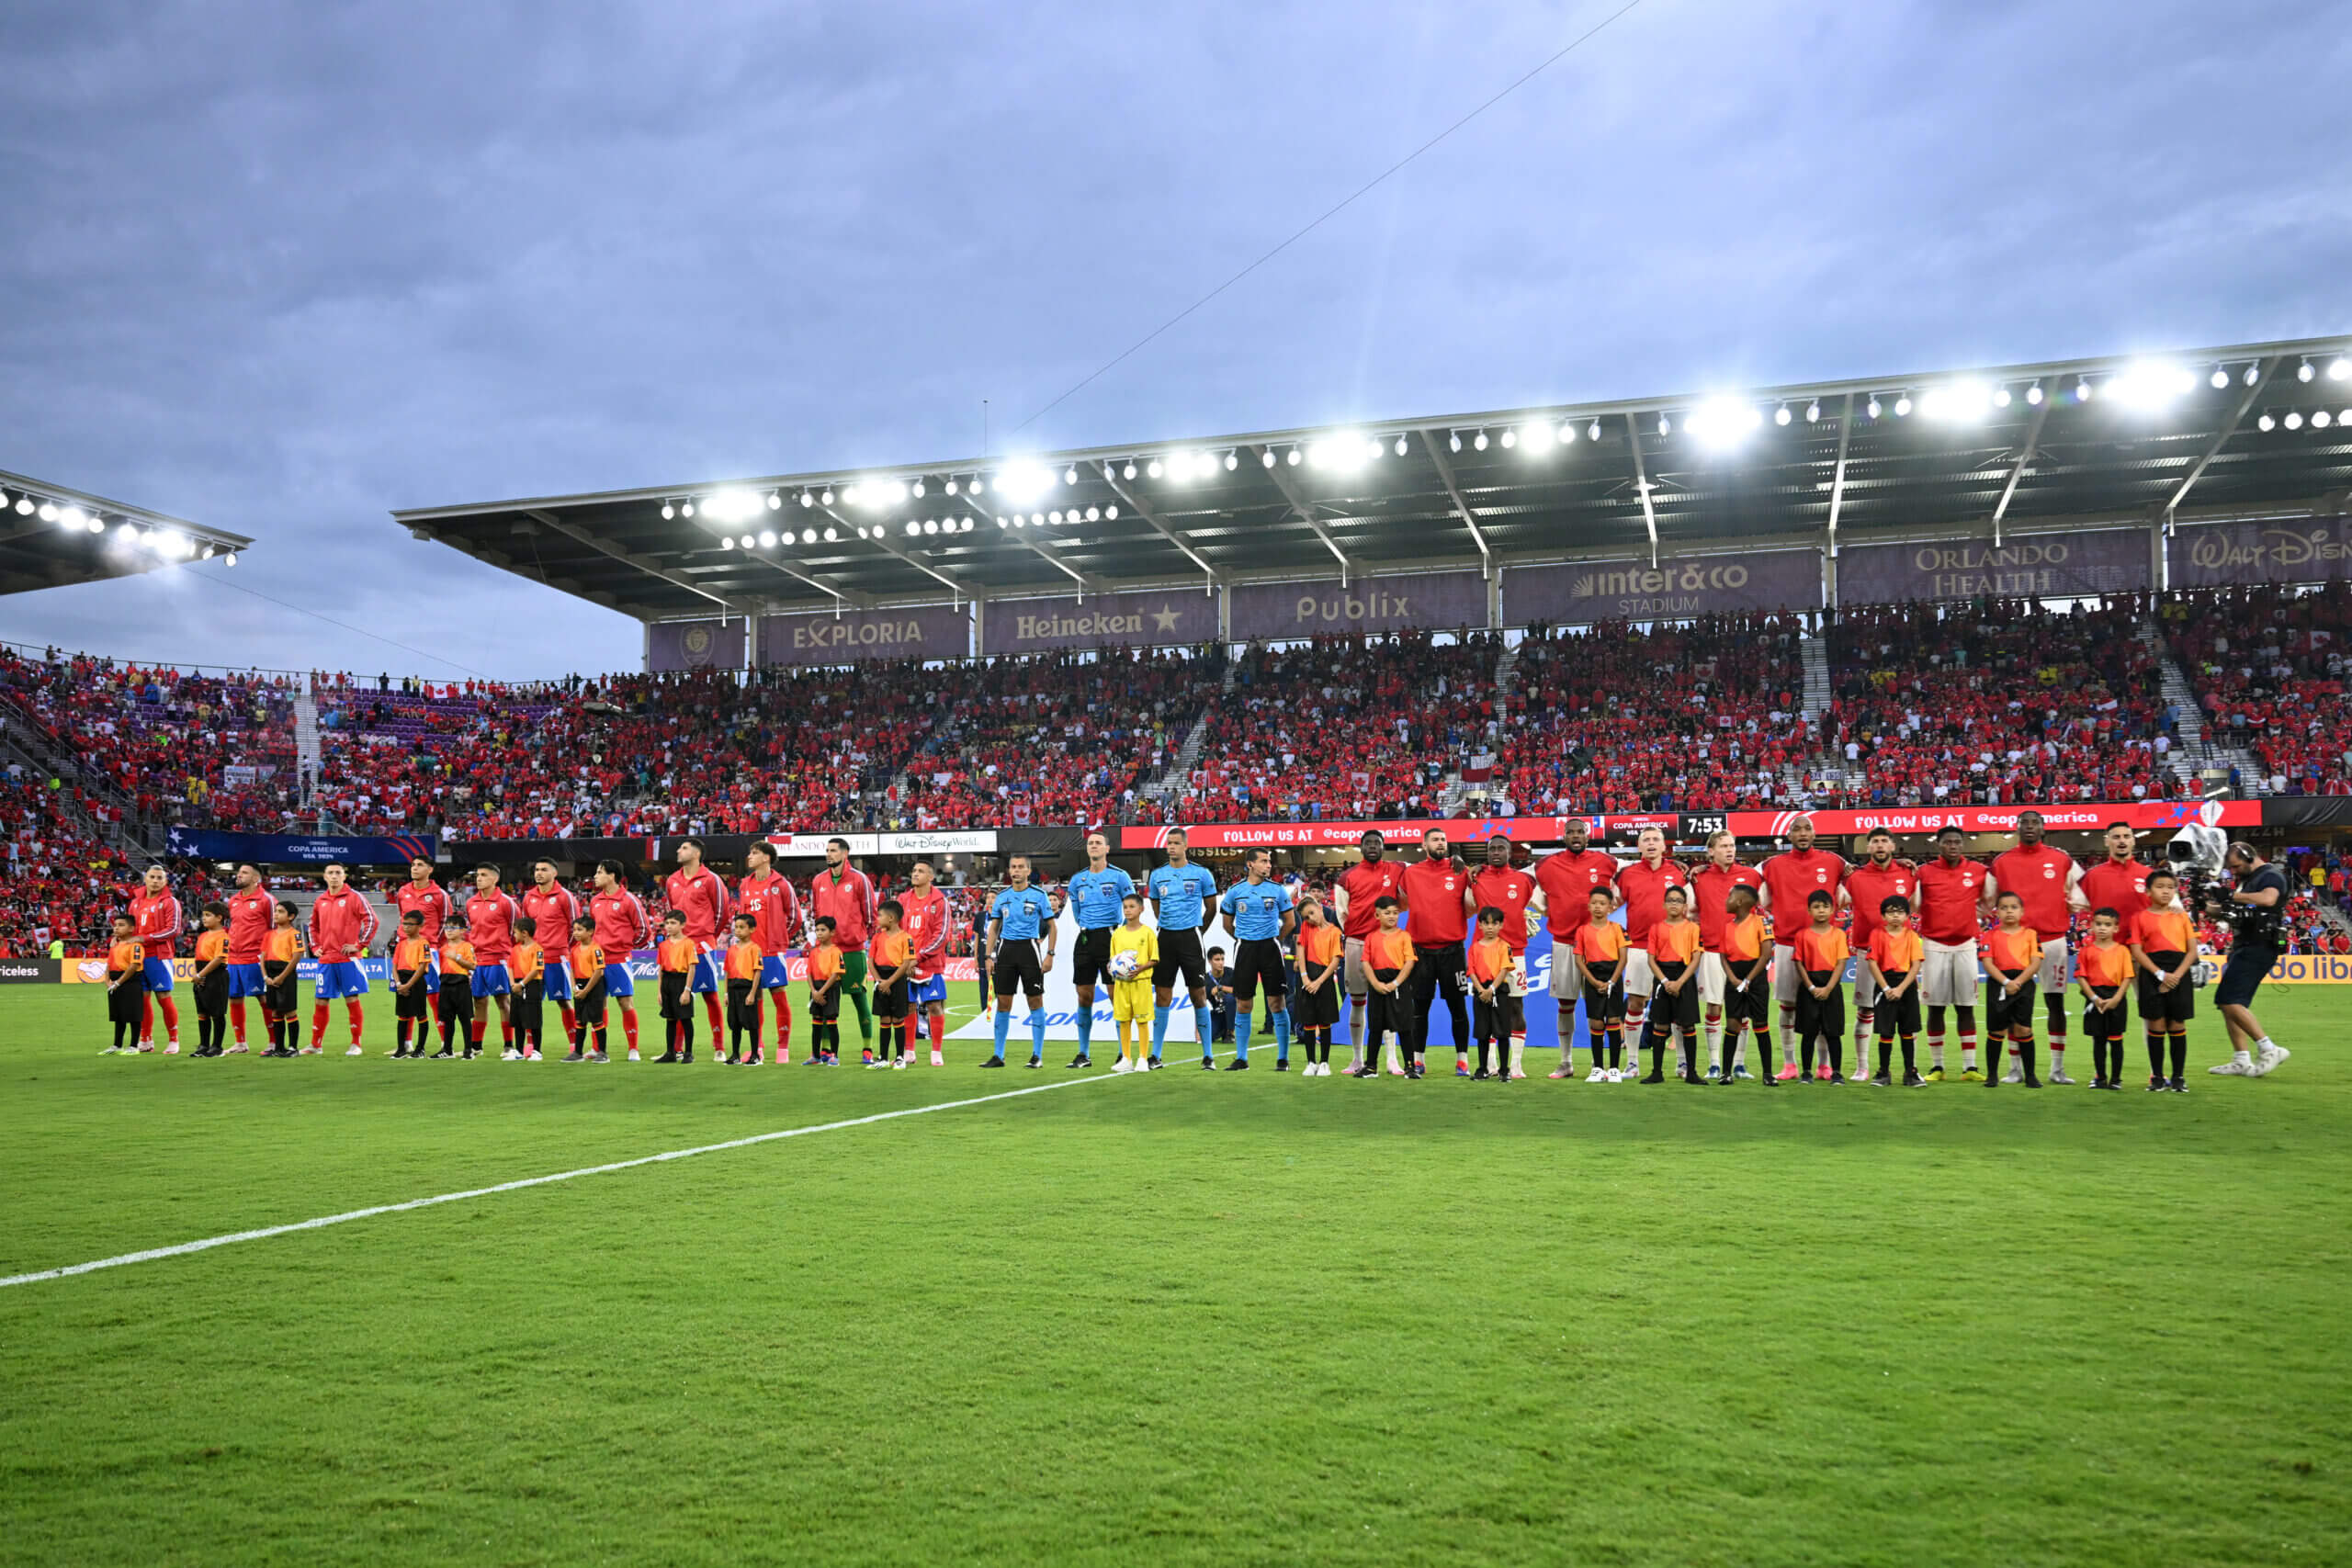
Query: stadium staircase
x,y
20,743
306,741
1814,652
1179,773
2193,748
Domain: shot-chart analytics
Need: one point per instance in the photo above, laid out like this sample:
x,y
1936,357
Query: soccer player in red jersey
x,y
2043,877
1869,886
924,916
1951,889
1711,887
695,892
551,907
492,919
2120,882
342,925
1565,884
1642,883
1435,891
1790,879
774,908
1360,888
155,914
843,892
1497,884
251,912
621,928
423,896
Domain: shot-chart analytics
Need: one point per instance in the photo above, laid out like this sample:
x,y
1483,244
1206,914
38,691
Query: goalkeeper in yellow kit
x,y
1131,989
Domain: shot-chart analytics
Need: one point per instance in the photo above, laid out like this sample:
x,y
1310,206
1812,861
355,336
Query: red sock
x,y
170,1017
938,1032
351,1005
474,1031
710,1006
146,1019
783,1020
507,1032
571,1019
628,1027
237,1017
318,1025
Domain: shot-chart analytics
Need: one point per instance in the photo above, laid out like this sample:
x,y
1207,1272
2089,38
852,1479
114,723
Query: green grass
x,y
1184,1319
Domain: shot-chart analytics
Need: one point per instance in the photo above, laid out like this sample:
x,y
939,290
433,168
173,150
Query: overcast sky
x,y
280,267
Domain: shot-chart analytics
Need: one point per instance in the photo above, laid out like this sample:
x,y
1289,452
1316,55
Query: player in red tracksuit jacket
x,y
342,925
774,908
155,910
695,892
924,916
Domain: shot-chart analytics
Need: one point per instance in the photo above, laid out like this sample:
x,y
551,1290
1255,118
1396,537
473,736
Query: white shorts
x,y
1640,980
1784,974
1947,978
2054,965
1711,979
1865,988
1352,969
1564,984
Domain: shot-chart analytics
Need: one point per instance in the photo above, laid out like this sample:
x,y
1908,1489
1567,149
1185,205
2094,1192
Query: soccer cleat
x,y
355,1051
240,1048
510,1055
533,1055
1821,1071
993,1062
2015,1073
882,1064
1399,1073
1912,1080
2178,1086
2058,1076
471,1052
1567,1072
686,1056
2265,1061
1741,1071
1481,1076
2030,1081
816,1059
865,1057
2159,1085
1654,1077
1935,1074
666,1058
1970,1075
1151,1064
1837,1077
1035,1062
445,1054
1208,1064
1788,1071
1081,1060
1282,1064
2233,1068
576,1055
1882,1080
633,1056
1121,1065
1462,1070
938,1060
1238,1065
598,1056
1714,1072
1600,1074
146,1047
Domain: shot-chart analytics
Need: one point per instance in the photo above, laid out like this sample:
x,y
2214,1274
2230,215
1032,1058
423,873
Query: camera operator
x,y
2259,937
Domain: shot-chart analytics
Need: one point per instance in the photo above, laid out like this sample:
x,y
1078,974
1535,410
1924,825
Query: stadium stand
x,y
2268,667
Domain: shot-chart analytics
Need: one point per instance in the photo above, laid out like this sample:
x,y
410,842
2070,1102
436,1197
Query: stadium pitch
x,y
1178,1318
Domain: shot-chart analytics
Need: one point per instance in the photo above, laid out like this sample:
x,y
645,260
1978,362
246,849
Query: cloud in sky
x,y
281,268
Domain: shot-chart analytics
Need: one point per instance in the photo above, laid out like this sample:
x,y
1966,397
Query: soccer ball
x,y
1126,966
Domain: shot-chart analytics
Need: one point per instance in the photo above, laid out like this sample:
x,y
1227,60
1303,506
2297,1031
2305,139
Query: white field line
x,y
151,1254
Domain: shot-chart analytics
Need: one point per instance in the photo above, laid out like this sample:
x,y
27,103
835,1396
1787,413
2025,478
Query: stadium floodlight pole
x,y
1641,480
878,536
1135,504
548,520
1837,477
1436,450
2025,455
1305,512
2229,428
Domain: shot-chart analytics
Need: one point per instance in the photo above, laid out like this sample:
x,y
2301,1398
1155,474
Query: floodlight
x,y
767,538
1231,462
775,502
2294,419
2338,368
1812,412
1267,457
1592,431
1111,512
1781,415
1070,475
1294,457
832,535
2033,394
1872,408
229,559
1511,437
1023,480
1129,471
668,512
2221,377
2266,424
1400,440
2320,419
1956,401
1454,441
1903,406
1481,442
2304,372
2151,386
1155,471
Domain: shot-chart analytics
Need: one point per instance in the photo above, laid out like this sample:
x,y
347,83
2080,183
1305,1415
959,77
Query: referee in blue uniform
x,y
1183,898
1258,917
1097,897
1020,949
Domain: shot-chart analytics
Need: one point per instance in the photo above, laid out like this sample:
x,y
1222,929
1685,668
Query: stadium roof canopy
x,y
52,536
2247,430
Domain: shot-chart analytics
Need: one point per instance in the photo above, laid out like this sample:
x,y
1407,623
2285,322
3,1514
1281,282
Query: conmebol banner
x,y
287,848
1437,601
2044,566
1173,617
1677,588
2312,549
854,636
672,646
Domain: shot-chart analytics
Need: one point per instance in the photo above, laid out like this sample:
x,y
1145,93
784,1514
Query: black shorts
x,y
1679,1011
1090,956
1259,958
1752,1006
2243,975
1019,966
742,1004
1820,1016
2160,1006
1440,971
1605,1003
124,1000
2108,1025
212,994
408,1004
675,1002
279,1000
826,1009
588,1007
1496,1018
1179,953
1319,1009
890,1001
1387,1012
2003,1010
1898,1015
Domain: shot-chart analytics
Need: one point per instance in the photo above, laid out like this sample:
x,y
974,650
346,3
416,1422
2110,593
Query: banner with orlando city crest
x,y
1678,587
673,646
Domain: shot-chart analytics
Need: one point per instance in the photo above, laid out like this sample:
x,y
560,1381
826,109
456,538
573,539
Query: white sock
x,y
2265,1044
2241,1058
1936,1054
1517,1050
1716,1045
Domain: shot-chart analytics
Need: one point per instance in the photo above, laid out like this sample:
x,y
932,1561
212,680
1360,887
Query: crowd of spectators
x,y
1614,717
2268,666
1992,703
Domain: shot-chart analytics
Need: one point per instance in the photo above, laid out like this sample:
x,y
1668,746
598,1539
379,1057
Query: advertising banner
x,y
278,848
2313,549
673,646
1168,616
1437,601
1307,835
2147,815
2044,566
1677,588
925,631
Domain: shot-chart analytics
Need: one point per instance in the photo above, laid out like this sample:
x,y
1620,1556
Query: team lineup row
x,y
1686,952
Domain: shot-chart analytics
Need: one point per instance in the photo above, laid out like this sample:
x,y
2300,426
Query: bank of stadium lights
x,y
1956,403
2150,386
1721,422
